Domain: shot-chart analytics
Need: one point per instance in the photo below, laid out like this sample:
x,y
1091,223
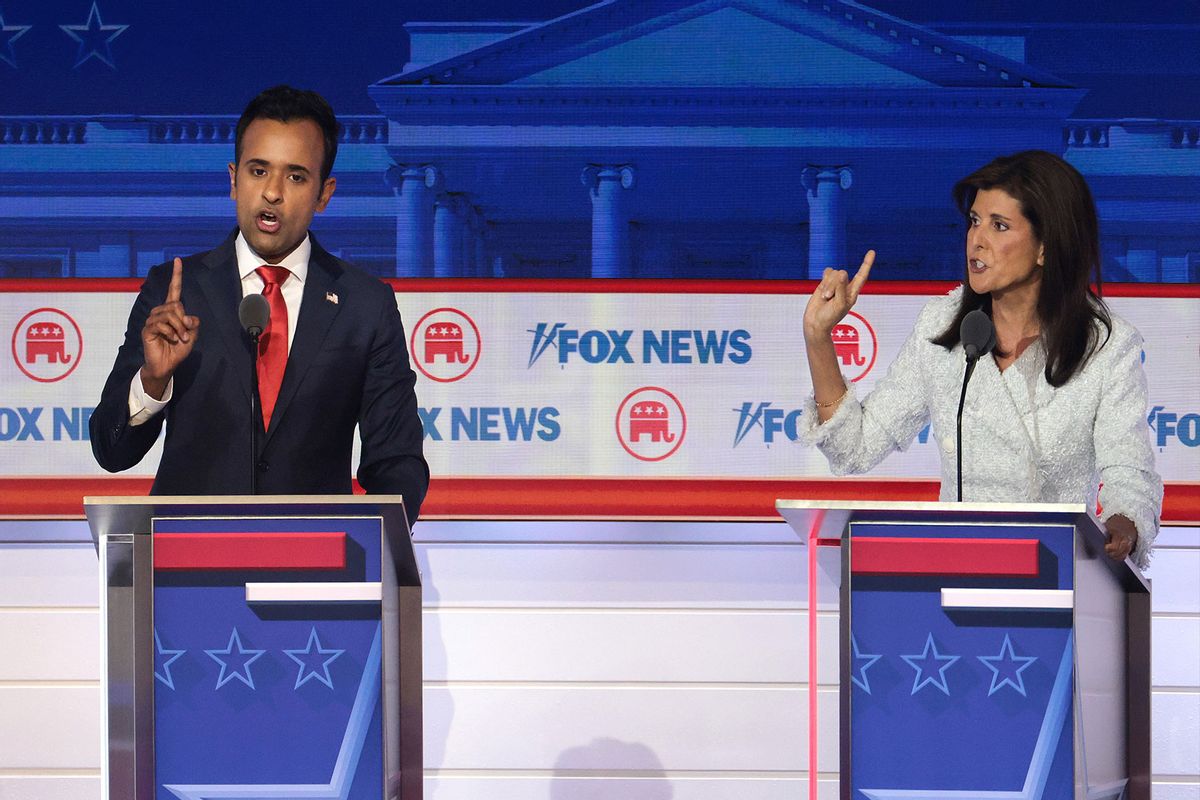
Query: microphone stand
x,y
971,362
254,334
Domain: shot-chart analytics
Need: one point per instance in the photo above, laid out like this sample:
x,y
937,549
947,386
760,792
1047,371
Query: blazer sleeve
x,y
861,434
392,459
116,444
1130,486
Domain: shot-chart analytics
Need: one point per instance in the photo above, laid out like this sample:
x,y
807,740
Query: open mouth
x,y
267,222
976,265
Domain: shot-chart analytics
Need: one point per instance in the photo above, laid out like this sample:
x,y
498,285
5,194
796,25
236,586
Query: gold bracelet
x,y
831,403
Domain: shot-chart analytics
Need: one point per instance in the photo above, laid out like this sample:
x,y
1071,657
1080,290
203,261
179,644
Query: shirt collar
x,y
295,261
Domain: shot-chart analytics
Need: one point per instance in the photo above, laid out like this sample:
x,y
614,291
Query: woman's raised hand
x,y
834,297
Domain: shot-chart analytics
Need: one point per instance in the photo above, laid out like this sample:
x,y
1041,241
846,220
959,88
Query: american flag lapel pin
x,y
331,297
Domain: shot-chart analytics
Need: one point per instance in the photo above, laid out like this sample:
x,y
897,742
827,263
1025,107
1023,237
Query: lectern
x,y
986,651
259,647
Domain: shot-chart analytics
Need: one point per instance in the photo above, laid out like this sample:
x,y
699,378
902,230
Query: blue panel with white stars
x,y
267,701
951,704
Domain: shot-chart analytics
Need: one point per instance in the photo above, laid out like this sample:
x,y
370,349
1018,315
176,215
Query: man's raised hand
x,y
167,337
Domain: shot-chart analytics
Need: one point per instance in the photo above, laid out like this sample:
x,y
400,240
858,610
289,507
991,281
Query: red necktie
x,y
273,344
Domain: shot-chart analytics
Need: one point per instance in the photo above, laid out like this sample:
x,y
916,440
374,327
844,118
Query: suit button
x,y
263,466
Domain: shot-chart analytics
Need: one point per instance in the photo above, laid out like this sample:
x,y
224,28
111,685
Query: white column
x,y
826,217
466,214
415,187
447,237
483,267
609,185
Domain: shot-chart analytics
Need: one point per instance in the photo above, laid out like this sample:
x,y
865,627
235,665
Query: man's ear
x,y
326,193
232,181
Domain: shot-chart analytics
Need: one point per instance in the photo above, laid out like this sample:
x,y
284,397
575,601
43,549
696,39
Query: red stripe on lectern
x,y
273,551
916,556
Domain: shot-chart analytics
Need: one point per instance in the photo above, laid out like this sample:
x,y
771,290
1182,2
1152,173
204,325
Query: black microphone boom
x,y
254,312
978,336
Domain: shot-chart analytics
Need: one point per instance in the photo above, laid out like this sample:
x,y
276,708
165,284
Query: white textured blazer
x,y
1023,439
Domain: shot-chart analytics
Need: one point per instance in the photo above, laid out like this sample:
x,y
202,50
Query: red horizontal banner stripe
x,y
570,498
641,498
1012,558
250,551
606,286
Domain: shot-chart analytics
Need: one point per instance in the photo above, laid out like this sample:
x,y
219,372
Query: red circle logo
x,y
855,344
47,345
651,423
445,345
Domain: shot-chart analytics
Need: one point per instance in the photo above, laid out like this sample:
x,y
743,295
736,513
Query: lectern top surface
x,y
937,507
247,499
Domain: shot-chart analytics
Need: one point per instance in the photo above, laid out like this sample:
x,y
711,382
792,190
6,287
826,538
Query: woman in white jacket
x,y
1057,412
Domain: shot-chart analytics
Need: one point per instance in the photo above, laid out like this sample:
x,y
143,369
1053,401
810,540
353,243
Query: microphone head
x,y
254,313
977,333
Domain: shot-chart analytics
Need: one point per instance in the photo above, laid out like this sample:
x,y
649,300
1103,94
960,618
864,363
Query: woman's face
x,y
1003,255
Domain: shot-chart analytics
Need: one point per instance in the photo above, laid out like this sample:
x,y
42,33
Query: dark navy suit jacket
x,y
348,365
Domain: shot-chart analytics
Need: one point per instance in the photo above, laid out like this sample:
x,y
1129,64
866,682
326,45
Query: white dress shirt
x,y
142,406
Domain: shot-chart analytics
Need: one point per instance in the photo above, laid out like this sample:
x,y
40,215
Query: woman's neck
x,y
1015,316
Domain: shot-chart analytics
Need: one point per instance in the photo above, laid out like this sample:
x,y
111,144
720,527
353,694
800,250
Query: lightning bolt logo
x,y
748,420
543,339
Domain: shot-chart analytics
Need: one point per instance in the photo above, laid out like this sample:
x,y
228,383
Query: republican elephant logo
x,y
855,345
651,423
846,345
445,345
47,345
650,418
49,340
446,341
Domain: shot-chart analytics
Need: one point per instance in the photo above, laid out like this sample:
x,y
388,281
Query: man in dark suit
x,y
333,355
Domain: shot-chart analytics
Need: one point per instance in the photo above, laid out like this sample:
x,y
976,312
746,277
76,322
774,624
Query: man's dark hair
x,y
284,103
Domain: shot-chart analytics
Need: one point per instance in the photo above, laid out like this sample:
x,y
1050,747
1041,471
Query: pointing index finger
x,y
863,273
175,290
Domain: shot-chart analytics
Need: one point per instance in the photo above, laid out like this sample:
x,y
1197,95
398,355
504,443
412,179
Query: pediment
x,y
709,51
754,43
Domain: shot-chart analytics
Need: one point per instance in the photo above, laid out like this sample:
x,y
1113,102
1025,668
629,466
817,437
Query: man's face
x,y
277,184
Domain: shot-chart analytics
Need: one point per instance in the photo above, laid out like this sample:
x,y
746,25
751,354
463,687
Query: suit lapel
x,y
990,405
222,290
317,314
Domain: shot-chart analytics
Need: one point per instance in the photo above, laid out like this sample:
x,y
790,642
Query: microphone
x,y
254,313
978,337
977,333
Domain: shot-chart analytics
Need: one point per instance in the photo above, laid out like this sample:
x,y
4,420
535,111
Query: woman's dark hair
x,y
1055,199
283,103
